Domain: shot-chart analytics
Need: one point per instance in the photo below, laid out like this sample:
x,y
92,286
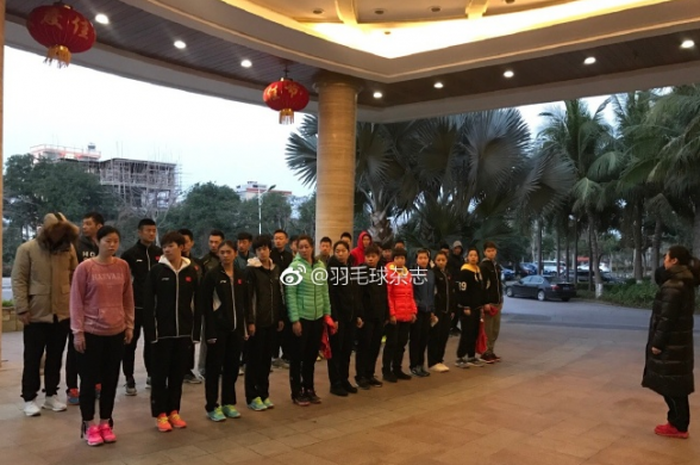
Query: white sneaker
x,y
52,403
435,368
442,368
476,362
32,409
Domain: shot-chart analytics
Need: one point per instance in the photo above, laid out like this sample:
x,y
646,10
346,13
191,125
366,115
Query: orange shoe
x,y
176,420
163,424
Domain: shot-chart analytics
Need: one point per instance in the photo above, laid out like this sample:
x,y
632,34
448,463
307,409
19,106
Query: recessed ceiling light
x,y
377,95
387,33
179,44
688,44
438,85
589,61
318,11
435,9
508,74
102,18
246,63
379,11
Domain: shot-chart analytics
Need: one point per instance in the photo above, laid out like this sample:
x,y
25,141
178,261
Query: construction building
x,y
252,189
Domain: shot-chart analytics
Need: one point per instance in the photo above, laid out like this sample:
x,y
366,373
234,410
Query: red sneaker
x,y
163,424
107,434
176,420
670,431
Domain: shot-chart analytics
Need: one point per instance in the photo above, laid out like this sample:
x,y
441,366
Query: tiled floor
x,y
562,396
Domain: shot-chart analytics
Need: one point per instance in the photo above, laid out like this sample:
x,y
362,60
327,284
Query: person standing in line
x,y
470,302
493,288
41,278
171,324
444,310
347,238
243,253
102,322
454,265
326,246
86,248
668,369
279,255
282,258
141,258
308,304
209,262
190,376
265,321
424,294
364,240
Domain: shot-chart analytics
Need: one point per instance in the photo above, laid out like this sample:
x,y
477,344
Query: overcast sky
x,y
212,139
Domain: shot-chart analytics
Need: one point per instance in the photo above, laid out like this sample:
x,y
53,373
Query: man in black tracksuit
x,y
265,320
171,324
190,377
454,265
209,262
373,301
141,258
282,258
491,271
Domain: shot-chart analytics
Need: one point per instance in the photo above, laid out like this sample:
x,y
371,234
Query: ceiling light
x,y
318,11
438,85
589,61
102,18
246,63
379,11
435,9
377,95
179,44
508,74
688,44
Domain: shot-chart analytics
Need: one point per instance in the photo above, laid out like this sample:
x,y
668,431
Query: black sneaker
x,y
339,391
424,372
313,398
374,382
415,371
488,358
401,375
191,378
390,377
363,383
350,388
301,400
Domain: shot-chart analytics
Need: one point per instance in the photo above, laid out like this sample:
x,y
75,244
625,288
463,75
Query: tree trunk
x,y
638,245
539,246
595,257
558,252
575,257
656,259
590,253
568,255
696,231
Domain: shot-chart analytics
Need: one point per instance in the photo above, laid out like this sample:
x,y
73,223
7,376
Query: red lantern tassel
x,y
287,116
59,53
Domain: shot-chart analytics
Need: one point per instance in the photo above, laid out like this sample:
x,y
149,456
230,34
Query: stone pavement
x,y
562,396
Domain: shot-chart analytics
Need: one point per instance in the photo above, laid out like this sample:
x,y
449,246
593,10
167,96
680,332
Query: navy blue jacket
x,y
424,289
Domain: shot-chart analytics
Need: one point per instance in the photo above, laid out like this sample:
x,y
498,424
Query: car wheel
x,y
541,296
509,292
565,299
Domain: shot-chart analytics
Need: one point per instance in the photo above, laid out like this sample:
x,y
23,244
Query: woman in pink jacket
x,y
102,321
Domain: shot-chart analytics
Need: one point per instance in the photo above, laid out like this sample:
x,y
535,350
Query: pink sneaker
x,y
93,436
670,431
107,434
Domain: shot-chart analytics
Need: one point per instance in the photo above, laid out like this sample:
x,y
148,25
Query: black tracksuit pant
x,y
369,341
341,349
437,341
130,349
303,353
678,412
223,362
419,339
100,362
169,358
39,338
257,370
395,346
470,333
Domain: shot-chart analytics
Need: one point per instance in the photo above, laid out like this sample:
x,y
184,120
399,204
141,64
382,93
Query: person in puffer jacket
x,y
308,304
364,240
402,314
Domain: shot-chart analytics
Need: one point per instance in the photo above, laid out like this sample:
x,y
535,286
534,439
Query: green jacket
x,y
306,290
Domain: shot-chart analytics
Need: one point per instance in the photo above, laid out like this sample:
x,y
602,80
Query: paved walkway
x,y
567,393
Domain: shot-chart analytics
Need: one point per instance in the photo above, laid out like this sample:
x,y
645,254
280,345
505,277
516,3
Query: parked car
x,y
527,269
542,288
608,278
507,274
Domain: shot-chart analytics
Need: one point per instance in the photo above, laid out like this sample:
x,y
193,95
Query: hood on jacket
x,y
57,233
256,263
362,235
185,263
358,253
680,273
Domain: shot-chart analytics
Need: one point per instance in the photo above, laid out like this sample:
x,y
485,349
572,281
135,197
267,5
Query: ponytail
x,y
684,258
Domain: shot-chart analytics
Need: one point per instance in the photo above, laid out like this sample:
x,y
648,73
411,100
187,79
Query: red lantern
x,y
62,30
286,96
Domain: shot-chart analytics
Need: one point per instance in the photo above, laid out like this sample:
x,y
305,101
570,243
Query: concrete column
x,y
2,162
335,181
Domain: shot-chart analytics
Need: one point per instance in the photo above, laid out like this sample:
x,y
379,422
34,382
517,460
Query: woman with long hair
x,y
470,302
102,321
668,370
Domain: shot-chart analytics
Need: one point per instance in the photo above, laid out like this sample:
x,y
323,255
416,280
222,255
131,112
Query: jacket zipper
x,y
233,302
177,302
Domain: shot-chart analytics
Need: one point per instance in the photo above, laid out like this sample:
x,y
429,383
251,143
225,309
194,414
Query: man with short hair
x,y
282,258
279,254
347,238
141,258
188,235
326,250
494,300
454,265
244,240
211,259
399,244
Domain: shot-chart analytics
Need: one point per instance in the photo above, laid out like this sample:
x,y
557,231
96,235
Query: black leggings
x,y
678,412
396,340
437,341
470,333
130,350
223,362
100,361
169,358
303,353
341,350
369,342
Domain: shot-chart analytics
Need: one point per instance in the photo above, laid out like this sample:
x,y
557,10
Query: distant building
x,y
147,187
253,188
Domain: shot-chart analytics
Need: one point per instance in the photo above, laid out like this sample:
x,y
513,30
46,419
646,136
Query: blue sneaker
x,y
73,397
257,405
230,411
216,415
268,403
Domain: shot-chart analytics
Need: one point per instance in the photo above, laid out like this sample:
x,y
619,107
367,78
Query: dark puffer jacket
x,y
671,330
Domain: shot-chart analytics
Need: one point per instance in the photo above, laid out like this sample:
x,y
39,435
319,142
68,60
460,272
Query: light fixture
x,y
179,44
379,11
688,44
589,61
318,11
435,9
246,63
508,74
101,18
377,94
438,85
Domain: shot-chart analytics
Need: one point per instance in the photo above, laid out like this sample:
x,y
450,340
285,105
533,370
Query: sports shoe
x,y
496,357
52,403
390,377
277,363
424,373
401,375
32,409
374,382
176,420
268,403
93,437
148,382
339,391
670,431
107,434
230,411
461,363
311,395
301,400
241,370
348,386
257,405
98,390
163,424
363,383
130,387
488,358
73,396
439,368
475,362
191,378
415,371
216,415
